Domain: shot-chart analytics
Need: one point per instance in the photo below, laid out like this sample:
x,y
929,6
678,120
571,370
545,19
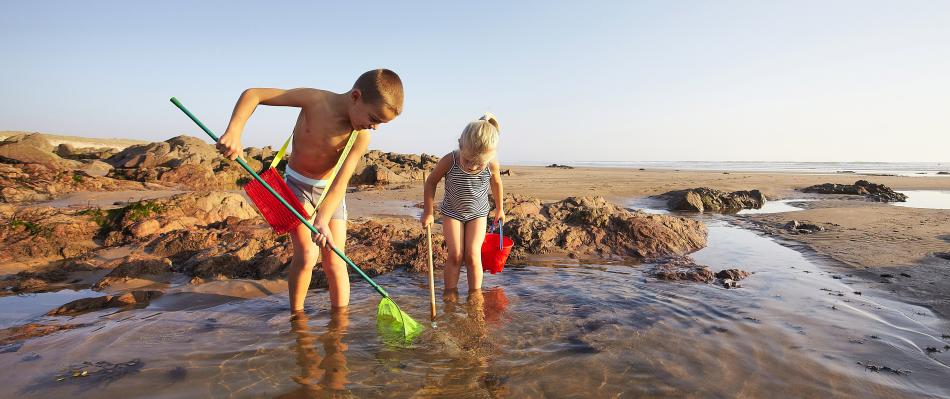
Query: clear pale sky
x,y
612,81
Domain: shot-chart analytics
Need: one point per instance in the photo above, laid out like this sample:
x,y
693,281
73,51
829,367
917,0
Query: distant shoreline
x,y
79,142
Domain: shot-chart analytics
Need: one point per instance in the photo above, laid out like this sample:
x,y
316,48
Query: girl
x,y
468,172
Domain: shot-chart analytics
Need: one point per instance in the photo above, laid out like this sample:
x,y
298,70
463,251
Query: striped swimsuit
x,y
466,194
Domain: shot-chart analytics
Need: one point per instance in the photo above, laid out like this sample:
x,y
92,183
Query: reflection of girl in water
x,y
321,377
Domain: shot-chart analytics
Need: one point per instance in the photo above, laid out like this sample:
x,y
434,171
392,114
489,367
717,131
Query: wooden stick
x,y
431,273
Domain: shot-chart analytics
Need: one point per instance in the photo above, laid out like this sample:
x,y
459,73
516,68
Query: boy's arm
x,y
497,190
230,142
338,187
432,181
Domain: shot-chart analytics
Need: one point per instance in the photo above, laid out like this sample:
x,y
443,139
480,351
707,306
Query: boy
x,y
323,128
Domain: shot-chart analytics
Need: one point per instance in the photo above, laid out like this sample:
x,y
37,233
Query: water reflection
x,y
321,377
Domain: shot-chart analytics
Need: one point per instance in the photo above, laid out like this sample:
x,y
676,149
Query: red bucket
x,y
276,214
493,257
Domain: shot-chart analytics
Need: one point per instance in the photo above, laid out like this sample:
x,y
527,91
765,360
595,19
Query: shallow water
x,y
19,309
563,330
659,206
931,199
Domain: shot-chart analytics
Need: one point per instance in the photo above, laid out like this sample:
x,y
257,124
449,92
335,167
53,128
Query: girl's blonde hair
x,y
480,136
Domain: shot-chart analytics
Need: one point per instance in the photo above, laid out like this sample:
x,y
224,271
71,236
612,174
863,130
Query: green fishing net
x,y
394,325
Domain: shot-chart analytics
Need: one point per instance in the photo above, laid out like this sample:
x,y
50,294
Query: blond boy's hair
x,y
480,136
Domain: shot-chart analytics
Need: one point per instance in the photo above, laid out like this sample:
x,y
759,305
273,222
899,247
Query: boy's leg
x,y
305,258
474,236
335,268
452,231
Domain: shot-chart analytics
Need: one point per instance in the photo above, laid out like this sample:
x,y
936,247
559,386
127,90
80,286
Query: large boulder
x,y
594,226
871,191
182,161
32,149
704,199
382,168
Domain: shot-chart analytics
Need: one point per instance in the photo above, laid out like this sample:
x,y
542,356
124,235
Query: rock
x,y
182,161
704,199
943,173
593,226
134,266
871,191
684,268
35,140
802,227
31,148
145,228
95,167
37,182
39,232
732,274
67,151
381,168
681,269
554,165
145,218
79,306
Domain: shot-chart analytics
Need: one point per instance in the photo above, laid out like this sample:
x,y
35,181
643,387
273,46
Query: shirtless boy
x,y
324,126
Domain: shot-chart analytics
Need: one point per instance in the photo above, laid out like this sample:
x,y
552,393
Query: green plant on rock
x,y
32,228
140,210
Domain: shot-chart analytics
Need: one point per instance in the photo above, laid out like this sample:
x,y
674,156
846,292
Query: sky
x,y
569,81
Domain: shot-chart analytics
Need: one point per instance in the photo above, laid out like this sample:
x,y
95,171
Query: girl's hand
x,y
427,219
499,215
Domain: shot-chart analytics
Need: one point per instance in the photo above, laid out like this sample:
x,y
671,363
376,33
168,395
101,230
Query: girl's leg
x,y
305,258
452,230
474,236
338,277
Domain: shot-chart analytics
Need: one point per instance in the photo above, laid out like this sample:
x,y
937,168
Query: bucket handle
x,y
501,234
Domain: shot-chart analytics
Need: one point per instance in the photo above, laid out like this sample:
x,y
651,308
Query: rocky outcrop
x,y
704,199
556,166
39,232
871,191
583,226
146,218
129,299
380,168
30,182
183,161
